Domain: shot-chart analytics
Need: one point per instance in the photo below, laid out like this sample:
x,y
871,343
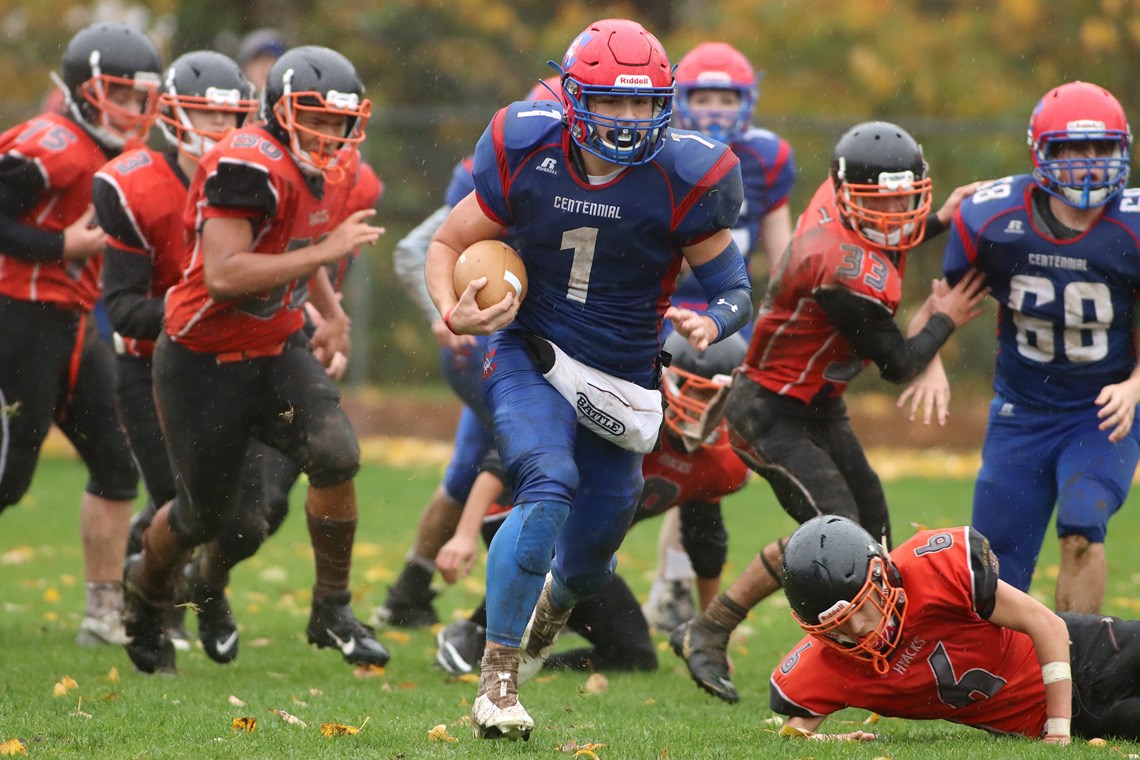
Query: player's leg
x,y
670,600
1093,478
318,436
89,419
537,451
1105,655
612,621
835,435
1015,490
705,541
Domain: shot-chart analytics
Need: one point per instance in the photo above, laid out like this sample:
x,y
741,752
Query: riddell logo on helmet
x,y
633,80
833,611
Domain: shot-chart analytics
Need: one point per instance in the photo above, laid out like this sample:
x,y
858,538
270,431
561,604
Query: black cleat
x,y
332,624
149,647
404,610
459,647
217,629
705,652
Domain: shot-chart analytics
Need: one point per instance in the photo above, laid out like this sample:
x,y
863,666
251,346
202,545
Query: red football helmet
x,y
547,89
1080,112
617,57
716,66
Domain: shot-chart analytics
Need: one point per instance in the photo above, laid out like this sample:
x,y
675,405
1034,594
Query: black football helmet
x,y
880,160
201,81
696,386
316,80
103,56
832,567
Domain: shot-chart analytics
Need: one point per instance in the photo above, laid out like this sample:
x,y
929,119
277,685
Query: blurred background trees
x,y
961,75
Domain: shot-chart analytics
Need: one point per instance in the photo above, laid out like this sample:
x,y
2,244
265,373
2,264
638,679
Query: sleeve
x,y
713,204
462,182
803,687
984,571
490,171
779,178
242,186
21,185
871,330
960,251
493,465
409,258
126,294
114,216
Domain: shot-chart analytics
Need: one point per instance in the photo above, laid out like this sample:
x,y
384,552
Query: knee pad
x,y
704,539
335,465
188,530
243,536
534,545
568,592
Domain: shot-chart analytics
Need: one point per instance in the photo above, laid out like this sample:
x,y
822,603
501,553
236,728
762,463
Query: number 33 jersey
x,y
951,663
1067,306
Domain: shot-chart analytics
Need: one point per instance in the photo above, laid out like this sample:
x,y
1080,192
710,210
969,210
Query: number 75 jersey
x,y
1066,306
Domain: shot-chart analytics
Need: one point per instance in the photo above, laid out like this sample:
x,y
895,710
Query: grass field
x,y
113,712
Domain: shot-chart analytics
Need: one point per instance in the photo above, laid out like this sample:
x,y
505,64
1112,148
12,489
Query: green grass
x,y
640,716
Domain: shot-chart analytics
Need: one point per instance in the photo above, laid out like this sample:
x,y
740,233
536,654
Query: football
x,y
496,261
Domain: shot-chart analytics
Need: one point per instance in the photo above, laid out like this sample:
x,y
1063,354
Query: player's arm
x,y
1118,401
775,232
719,268
456,557
1021,612
939,221
805,728
465,225
233,270
871,330
21,185
331,342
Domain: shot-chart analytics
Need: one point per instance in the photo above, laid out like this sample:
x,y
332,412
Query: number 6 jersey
x,y
951,663
1067,306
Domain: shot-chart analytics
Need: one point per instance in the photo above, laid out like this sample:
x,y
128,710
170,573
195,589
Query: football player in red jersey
x,y
831,312
52,366
692,470
139,199
233,361
930,632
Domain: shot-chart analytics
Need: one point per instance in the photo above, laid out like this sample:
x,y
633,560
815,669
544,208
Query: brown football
x,y
496,261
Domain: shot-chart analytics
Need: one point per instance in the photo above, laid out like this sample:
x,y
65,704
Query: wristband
x,y
447,319
1056,726
1051,672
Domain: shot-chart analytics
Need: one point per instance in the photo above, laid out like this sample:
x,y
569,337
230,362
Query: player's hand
x,y
467,318
963,302
693,326
83,238
455,559
349,235
332,337
946,212
930,391
1062,740
1118,408
445,338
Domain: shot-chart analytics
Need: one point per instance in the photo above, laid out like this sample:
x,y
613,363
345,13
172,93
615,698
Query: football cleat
x,y
670,604
148,645
404,609
705,652
497,712
459,647
96,630
217,629
332,625
546,622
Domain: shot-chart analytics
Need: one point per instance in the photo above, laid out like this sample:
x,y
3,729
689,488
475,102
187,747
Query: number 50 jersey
x,y
1067,306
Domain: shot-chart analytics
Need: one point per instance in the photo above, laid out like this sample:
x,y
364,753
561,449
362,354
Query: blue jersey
x,y
461,183
1066,317
601,260
768,171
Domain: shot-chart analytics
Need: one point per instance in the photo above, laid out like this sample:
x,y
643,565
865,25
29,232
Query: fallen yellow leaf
x,y
69,682
400,637
292,720
17,556
338,729
51,595
439,734
244,724
113,674
368,671
467,678
59,690
13,747
1097,742
236,701
596,684
872,719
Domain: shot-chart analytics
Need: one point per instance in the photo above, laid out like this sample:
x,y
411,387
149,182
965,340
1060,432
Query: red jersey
x,y
365,192
674,476
66,157
143,216
250,175
951,664
795,349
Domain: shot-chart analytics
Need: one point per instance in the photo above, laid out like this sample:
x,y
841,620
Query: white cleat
x,y
103,629
500,715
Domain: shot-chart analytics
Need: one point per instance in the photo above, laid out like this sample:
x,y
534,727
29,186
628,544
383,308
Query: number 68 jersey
x,y
1067,306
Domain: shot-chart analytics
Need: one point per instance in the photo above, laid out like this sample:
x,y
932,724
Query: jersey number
x,y
961,692
854,259
1085,341
583,241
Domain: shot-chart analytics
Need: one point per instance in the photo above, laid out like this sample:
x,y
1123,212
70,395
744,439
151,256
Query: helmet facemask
x,y
887,230
1074,179
323,158
176,125
888,602
695,405
112,124
629,142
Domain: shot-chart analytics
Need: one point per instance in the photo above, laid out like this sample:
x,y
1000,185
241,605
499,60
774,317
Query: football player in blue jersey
x,y
1061,251
717,90
605,202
